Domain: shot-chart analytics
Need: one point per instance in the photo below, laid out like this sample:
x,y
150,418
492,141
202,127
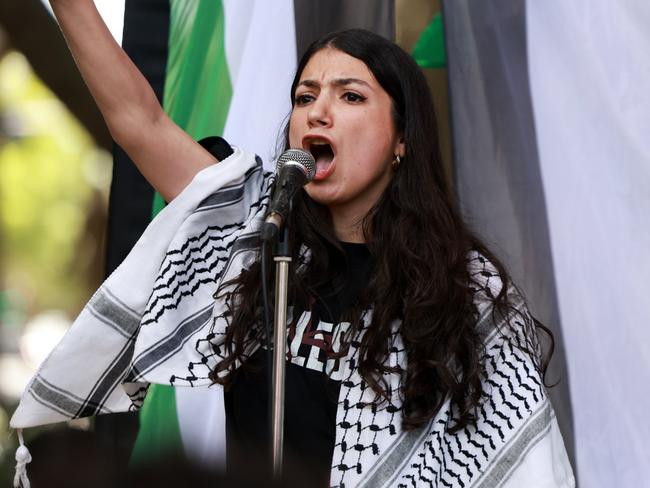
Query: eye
x,y
303,99
353,97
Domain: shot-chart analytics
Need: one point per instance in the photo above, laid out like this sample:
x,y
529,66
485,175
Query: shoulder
x,y
222,150
502,313
238,178
489,284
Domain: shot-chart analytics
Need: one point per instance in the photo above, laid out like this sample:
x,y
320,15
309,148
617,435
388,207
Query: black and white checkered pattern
x,y
141,326
372,450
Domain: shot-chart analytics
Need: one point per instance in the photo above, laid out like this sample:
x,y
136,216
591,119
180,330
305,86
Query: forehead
x,y
330,64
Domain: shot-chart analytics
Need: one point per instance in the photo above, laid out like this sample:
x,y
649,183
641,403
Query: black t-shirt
x,y
311,388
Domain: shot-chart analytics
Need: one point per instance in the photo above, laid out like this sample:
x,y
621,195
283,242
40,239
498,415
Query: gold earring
x,y
396,162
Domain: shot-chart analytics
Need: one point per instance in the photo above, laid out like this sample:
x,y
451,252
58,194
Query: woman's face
x,y
343,116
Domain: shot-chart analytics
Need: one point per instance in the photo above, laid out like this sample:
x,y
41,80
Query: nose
x,y
319,114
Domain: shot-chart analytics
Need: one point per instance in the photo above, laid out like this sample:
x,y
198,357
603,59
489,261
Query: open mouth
x,y
324,155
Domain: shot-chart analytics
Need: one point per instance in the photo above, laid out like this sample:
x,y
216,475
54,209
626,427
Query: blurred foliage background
x,y
54,179
55,170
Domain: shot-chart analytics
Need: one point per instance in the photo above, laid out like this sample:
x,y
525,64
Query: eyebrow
x,y
336,82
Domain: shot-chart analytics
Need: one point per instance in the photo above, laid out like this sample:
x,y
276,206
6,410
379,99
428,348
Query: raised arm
x,y
167,156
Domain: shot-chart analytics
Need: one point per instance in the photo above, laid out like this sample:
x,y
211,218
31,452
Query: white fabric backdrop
x,y
589,63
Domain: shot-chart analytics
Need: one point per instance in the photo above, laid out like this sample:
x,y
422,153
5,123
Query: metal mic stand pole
x,y
282,259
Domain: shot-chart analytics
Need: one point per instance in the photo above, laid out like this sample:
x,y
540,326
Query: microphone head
x,y
298,157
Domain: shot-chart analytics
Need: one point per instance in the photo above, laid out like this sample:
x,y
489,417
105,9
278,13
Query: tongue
x,y
323,161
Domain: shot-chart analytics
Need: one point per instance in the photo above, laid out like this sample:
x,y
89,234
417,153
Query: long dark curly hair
x,y
419,246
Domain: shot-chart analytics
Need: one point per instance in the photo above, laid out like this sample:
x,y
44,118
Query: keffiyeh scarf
x,y
155,320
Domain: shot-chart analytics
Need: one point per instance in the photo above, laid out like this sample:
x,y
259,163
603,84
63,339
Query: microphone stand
x,y
282,259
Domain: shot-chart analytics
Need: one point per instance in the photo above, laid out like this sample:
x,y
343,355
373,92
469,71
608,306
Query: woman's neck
x,y
348,226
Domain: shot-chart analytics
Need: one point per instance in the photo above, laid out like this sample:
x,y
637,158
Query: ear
x,y
400,147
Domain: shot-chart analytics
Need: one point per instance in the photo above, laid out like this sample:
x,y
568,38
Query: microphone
x,y
295,168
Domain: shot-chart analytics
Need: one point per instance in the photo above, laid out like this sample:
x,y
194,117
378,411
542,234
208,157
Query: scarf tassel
x,y
22,458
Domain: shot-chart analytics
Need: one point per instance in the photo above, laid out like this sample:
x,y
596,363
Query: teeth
x,y
317,142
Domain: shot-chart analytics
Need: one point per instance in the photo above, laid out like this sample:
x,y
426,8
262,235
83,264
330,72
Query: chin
x,y
321,197
316,190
